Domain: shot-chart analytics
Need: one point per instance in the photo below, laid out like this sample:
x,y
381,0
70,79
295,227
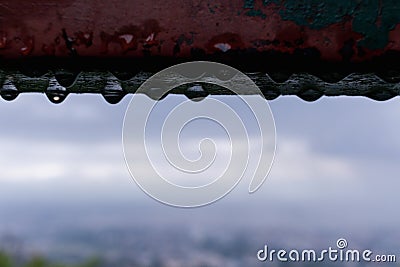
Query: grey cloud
x,y
80,119
349,127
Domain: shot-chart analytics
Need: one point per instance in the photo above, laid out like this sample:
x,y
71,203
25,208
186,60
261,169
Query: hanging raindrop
x,y
156,93
113,92
55,92
196,92
9,92
310,94
66,77
125,75
381,94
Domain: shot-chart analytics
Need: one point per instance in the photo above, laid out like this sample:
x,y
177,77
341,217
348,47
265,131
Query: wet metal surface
x,y
341,30
307,48
306,86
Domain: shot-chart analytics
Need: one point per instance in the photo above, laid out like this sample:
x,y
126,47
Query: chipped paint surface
x,y
224,47
3,40
323,30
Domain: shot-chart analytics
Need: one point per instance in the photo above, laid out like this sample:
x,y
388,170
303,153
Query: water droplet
x,y
156,93
331,77
310,94
196,93
381,94
55,92
65,77
113,92
124,75
279,77
225,75
191,72
9,92
270,91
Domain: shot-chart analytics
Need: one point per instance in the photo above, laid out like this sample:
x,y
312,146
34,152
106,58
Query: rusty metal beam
x,y
45,44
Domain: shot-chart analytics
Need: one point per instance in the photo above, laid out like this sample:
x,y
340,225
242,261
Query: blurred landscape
x,y
66,197
153,236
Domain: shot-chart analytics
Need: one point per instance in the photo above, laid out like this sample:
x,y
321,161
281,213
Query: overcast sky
x,y
337,160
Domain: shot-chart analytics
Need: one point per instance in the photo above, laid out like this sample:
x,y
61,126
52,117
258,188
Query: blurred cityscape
x,y
151,237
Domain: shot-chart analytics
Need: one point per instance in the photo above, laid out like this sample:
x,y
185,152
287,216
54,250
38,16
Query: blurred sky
x,y
336,167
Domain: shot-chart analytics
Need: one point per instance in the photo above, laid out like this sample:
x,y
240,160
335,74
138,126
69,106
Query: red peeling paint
x,y
28,45
129,36
3,40
121,28
84,38
49,50
127,42
394,38
150,41
336,43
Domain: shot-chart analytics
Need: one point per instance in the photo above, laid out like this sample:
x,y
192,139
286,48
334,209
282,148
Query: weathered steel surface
x,y
339,30
45,44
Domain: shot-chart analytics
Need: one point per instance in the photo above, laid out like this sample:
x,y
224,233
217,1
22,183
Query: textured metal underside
x,y
115,85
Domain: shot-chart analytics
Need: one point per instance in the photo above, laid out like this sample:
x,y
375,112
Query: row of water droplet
x,y
57,85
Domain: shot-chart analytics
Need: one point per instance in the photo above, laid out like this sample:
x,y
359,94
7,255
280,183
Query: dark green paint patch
x,y
256,13
211,8
319,14
266,2
376,35
316,14
248,4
